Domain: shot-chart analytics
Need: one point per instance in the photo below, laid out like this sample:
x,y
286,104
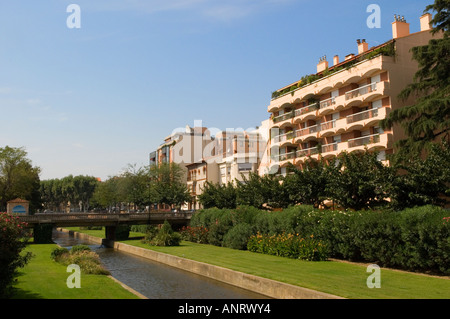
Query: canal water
x,y
155,280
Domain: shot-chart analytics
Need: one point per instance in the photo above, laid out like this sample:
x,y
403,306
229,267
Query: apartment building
x,y
339,108
182,146
227,156
238,154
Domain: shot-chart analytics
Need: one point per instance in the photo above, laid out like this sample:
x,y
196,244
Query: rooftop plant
x,y
388,49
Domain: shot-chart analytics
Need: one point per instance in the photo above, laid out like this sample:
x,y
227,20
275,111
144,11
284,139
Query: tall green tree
x,y
263,192
358,181
84,188
217,195
308,185
428,119
107,194
18,178
422,181
168,185
134,185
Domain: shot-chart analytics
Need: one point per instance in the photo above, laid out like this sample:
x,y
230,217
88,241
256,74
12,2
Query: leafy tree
x,y
358,181
264,192
134,185
420,182
428,119
18,178
84,187
168,185
216,195
107,194
56,193
308,185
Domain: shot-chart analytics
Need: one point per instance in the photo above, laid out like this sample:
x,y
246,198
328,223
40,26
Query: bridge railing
x,y
104,217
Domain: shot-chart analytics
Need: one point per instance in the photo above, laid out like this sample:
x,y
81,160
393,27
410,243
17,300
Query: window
x,y
242,167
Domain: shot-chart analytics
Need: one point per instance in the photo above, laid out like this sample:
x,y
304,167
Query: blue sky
x,y
90,101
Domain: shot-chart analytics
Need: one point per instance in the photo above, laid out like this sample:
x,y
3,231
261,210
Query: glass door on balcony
x,y
375,79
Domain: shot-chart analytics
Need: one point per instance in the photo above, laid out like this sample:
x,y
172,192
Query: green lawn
x,y
43,278
338,278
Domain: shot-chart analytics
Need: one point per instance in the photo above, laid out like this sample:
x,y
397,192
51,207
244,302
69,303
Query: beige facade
x,y
225,157
198,175
340,109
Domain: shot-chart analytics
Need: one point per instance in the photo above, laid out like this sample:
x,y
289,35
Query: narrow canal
x,y
155,280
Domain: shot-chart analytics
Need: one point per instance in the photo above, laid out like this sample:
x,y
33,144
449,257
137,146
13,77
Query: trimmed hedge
x,y
289,245
415,239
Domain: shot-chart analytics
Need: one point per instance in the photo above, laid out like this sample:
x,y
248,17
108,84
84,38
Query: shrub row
x,y
289,245
415,239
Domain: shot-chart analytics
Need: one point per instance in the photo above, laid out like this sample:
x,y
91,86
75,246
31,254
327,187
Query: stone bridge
x,y
109,220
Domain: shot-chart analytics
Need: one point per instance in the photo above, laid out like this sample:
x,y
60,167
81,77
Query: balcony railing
x,y
307,152
307,109
361,91
328,102
283,137
362,116
328,125
308,130
365,140
283,117
283,157
330,147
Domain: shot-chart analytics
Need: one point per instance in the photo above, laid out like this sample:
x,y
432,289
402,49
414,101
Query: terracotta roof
x,y
18,200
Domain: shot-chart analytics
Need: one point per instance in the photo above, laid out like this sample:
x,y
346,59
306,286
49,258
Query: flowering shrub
x,y
198,234
289,245
13,239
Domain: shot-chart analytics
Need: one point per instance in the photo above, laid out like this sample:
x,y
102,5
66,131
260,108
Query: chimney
x,y
363,46
425,22
400,28
349,56
336,60
323,64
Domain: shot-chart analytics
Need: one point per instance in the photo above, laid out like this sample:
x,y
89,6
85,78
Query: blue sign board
x,y
19,209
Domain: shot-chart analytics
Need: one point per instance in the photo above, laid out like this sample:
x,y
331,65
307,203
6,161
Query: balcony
x,y
307,152
327,103
283,157
308,130
306,109
330,148
328,125
283,137
362,116
283,117
363,90
365,140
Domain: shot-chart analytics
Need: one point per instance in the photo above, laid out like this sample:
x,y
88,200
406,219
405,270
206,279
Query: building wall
x,y
349,105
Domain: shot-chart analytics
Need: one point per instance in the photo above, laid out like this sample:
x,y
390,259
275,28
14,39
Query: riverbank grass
x,y
43,278
338,278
